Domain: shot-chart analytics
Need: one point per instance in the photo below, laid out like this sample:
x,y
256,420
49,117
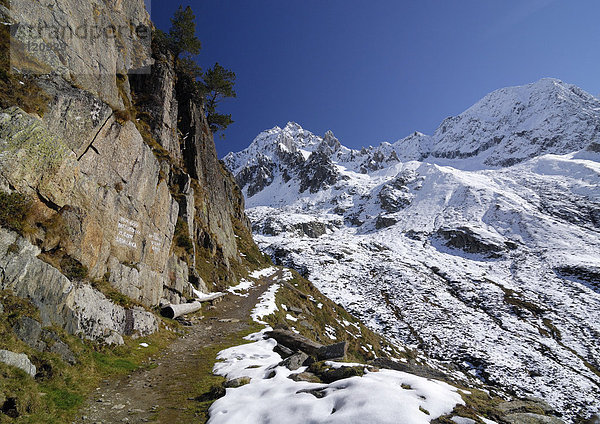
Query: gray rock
x,y
77,307
1,309
236,382
29,331
305,376
157,90
312,229
529,418
257,176
36,158
317,173
282,350
330,374
334,351
468,240
306,324
294,341
384,221
295,310
86,61
295,361
64,352
393,199
19,360
105,191
318,393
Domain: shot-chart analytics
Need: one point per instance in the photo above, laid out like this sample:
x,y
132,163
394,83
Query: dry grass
x,y
19,89
14,208
300,293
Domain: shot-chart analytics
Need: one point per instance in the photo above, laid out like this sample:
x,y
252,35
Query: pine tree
x,y
182,35
217,84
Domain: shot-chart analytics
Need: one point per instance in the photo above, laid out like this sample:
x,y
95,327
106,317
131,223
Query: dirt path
x,y
161,394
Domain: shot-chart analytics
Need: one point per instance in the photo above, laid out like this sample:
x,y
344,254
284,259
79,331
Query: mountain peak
x,y
513,124
293,126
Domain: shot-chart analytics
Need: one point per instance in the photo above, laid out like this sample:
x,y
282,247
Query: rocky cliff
x,y
123,185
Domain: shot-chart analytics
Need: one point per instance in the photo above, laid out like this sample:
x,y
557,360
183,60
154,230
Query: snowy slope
x,y
435,242
400,397
517,123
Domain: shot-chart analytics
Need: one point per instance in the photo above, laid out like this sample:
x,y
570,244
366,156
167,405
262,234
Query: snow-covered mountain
x,y
479,244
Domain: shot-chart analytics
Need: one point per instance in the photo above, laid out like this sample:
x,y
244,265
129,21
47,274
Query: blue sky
x,y
374,71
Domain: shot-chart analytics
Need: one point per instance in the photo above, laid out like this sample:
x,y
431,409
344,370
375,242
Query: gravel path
x,y
161,394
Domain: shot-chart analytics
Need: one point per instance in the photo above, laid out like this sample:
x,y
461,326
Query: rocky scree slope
x,y
113,205
478,245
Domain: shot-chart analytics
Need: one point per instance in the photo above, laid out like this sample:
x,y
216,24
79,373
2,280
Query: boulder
x,y
329,374
62,350
333,351
283,351
471,241
19,360
295,341
236,382
295,361
384,221
305,376
312,229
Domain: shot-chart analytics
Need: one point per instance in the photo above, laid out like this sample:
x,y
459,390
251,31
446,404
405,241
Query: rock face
x,y
122,173
100,39
75,306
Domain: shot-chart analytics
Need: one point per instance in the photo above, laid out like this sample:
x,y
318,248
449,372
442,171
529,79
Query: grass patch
x,y
73,269
246,246
63,399
114,365
14,308
14,208
477,404
519,305
19,89
182,238
103,286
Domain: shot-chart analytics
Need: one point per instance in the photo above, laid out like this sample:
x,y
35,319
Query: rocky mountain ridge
x,y
477,245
